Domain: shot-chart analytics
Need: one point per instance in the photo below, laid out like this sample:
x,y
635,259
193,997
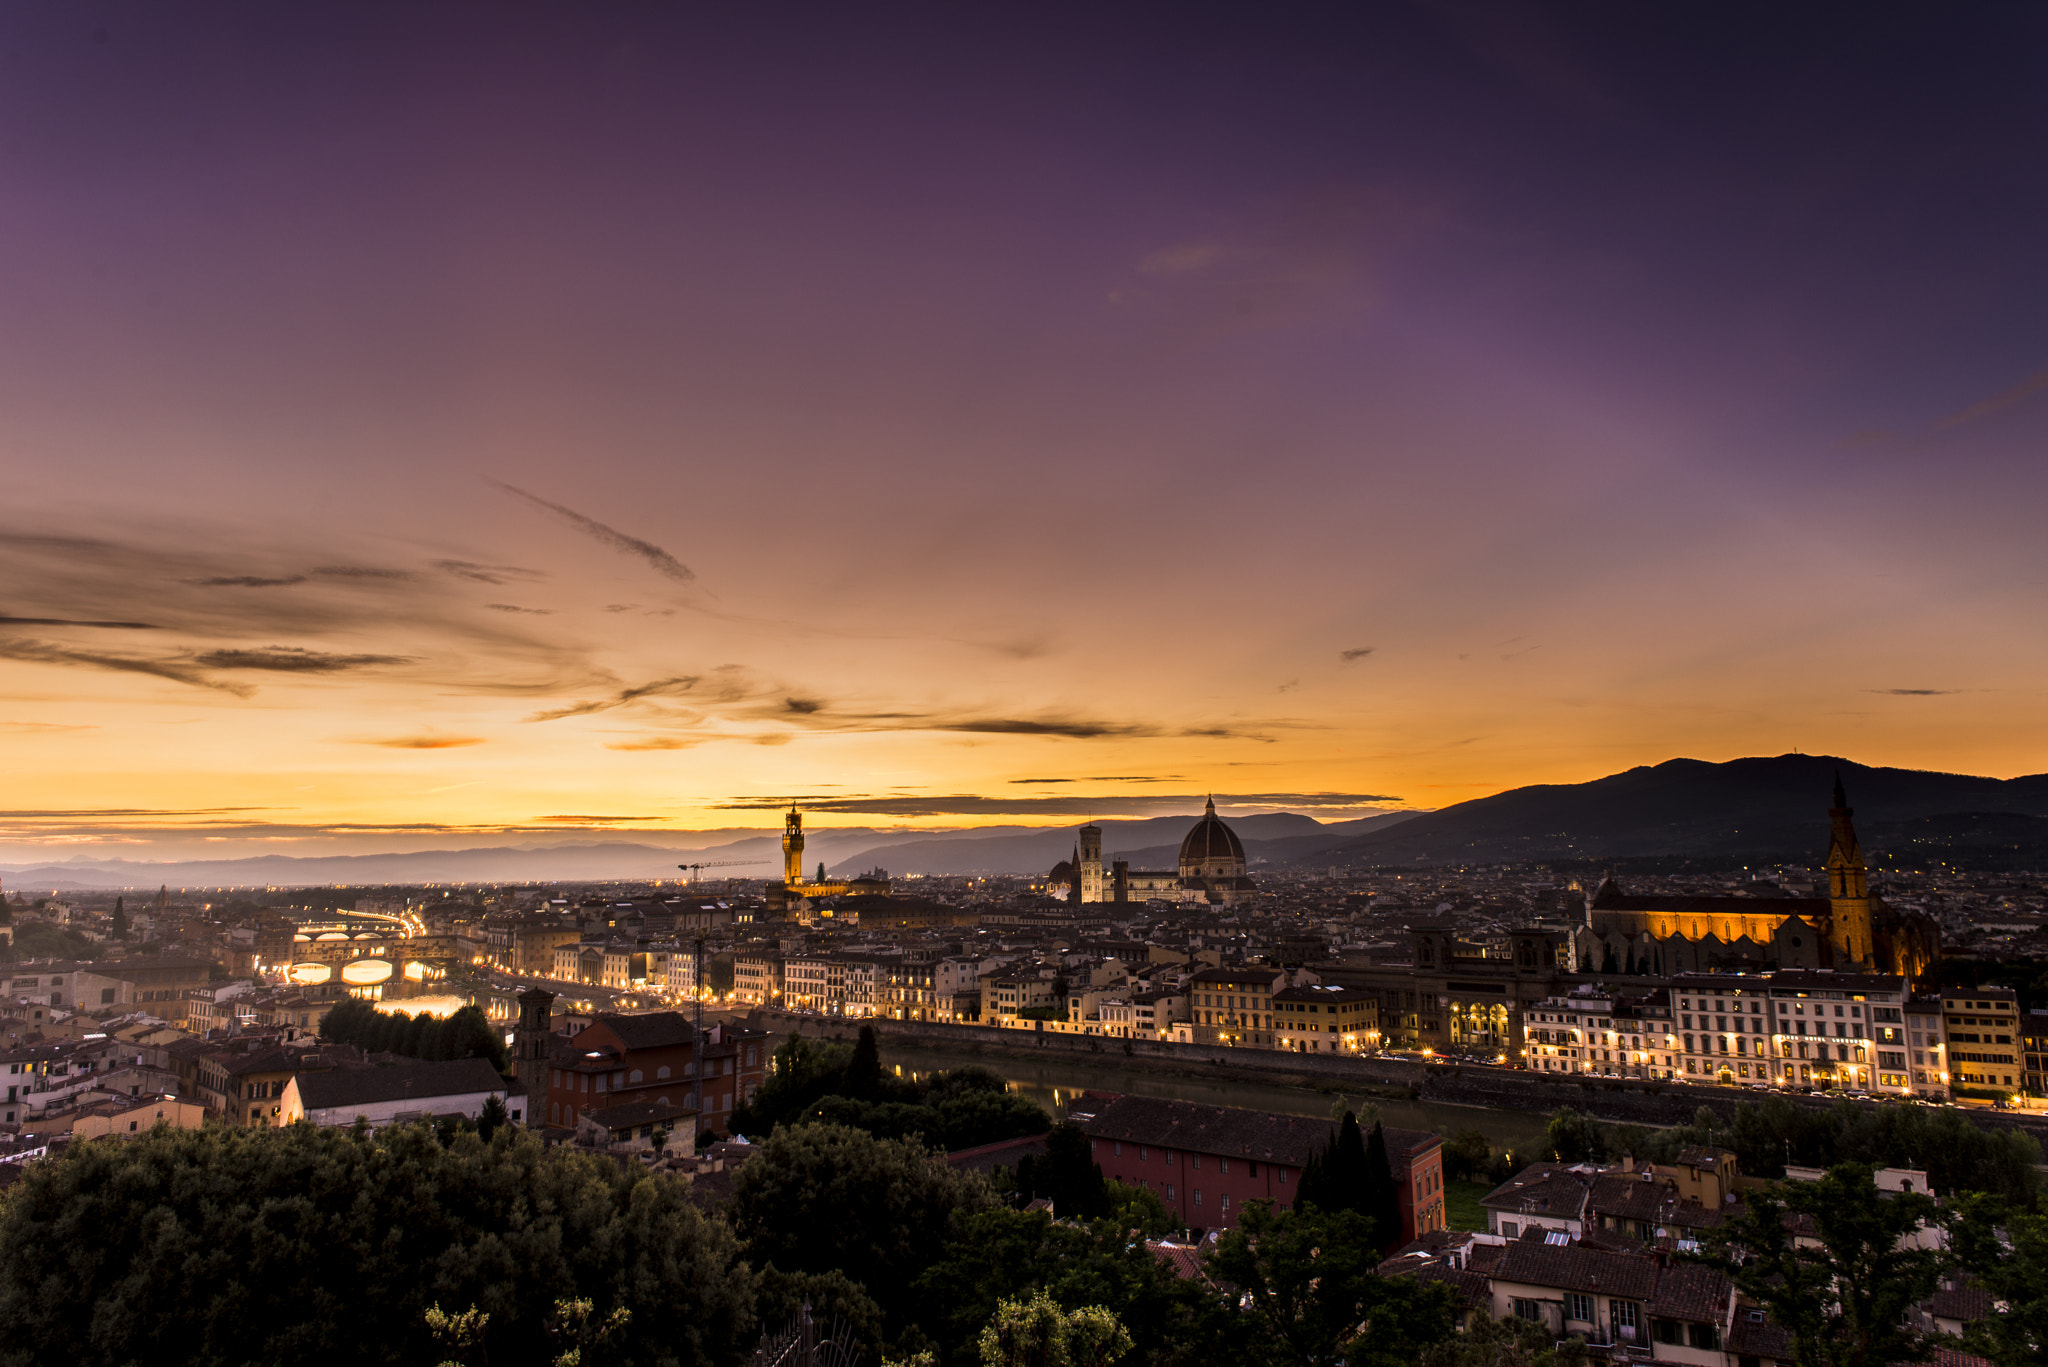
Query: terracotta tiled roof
x,y
1571,1267
1693,1293
648,1030
1551,1189
1966,1303
1954,1357
1234,1132
1184,1260
1758,1338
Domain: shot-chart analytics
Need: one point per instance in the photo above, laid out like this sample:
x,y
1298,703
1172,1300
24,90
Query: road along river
x,y
1054,1081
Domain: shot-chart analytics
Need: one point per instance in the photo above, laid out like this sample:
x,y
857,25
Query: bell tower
x,y
1850,926
1089,863
793,847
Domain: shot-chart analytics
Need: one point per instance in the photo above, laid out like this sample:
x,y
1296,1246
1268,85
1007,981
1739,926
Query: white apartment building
x,y
1795,1028
814,982
1595,1035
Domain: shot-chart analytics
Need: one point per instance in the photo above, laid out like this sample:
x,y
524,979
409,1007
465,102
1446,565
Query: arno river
x,y
1054,1081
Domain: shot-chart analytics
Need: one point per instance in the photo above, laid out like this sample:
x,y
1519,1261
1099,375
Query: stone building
x,y
1844,926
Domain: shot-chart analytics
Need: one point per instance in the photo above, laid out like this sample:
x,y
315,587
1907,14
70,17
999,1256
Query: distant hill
x,y
1005,849
1760,809
1153,843
588,862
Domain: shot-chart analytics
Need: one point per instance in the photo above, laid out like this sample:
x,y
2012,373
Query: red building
x,y
652,1057
1206,1162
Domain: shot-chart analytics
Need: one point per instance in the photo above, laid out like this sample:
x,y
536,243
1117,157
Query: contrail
x,y
654,555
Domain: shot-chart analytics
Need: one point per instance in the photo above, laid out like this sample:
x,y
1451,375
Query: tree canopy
x,y
1841,1272
999,1254
843,1084
1312,1291
315,1246
819,1199
467,1033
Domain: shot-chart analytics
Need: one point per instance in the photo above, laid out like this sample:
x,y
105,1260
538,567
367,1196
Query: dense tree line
x,y
316,1246
845,1084
468,1033
430,1243
1957,1154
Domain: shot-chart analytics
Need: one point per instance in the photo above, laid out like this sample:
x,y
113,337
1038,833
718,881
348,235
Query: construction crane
x,y
695,869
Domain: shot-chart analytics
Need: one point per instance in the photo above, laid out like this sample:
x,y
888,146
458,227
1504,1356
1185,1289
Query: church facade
x,y
1211,870
1843,926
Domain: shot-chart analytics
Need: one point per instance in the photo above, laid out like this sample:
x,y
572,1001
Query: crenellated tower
x,y
793,847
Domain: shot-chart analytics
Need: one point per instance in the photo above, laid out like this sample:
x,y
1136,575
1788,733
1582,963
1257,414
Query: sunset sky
x,y
420,423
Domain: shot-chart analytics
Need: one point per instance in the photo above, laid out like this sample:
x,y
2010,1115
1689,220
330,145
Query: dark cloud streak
x,y
661,561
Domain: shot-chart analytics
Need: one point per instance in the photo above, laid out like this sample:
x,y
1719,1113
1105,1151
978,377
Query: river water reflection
x,y
1055,1080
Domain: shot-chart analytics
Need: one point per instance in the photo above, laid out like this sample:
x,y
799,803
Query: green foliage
x,y
490,1117
460,1335
1467,1156
467,1033
1957,1155
1382,1197
2007,1251
1314,1299
1037,1333
45,940
1844,1302
803,1072
1000,1254
120,924
1489,1342
304,1245
1574,1137
1334,1178
1067,1175
1138,1208
831,1295
825,1198
838,1084
863,1077
573,1330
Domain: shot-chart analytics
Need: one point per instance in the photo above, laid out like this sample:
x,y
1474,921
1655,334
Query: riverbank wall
x,y
1610,1099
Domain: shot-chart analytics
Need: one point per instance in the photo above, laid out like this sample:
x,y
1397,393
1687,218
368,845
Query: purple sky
x,y
1332,408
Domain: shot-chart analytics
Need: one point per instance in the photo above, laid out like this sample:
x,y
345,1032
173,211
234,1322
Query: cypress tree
x,y
1381,1201
863,1077
1334,1179
120,920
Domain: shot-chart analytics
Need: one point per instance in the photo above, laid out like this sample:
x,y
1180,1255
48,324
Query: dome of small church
x,y
1211,840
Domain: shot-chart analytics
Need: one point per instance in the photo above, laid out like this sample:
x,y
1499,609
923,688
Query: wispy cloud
x,y
514,607
428,740
73,622
661,561
1914,692
1355,653
2019,393
485,574
42,652
361,572
660,688
593,820
653,743
1066,804
248,581
293,660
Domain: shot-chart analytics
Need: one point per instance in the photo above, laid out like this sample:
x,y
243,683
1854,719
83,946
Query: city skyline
x,y
425,426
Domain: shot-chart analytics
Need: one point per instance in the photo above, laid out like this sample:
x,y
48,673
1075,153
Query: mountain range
x,y
1760,810
1757,810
